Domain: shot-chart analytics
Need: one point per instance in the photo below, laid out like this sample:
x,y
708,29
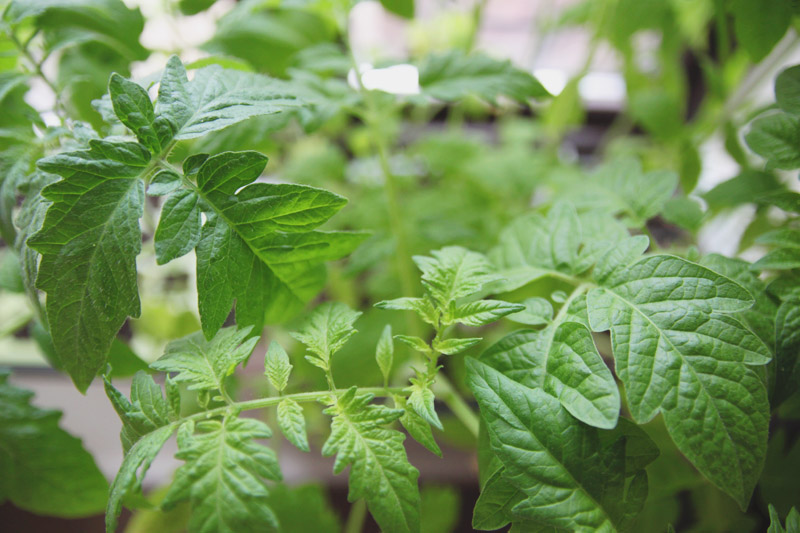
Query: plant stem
x,y
37,67
456,403
356,517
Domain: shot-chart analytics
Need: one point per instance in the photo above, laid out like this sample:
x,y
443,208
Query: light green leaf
x,y
216,98
422,306
779,259
402,8
678,354
537,312
327,329
776,138
45,469
380,472
384,353
179,227
277,367
454,272
792,521
454,346
562,361
128,480
573,476
30,219
483,312
415,343
205,364
257,246
421,400
416,426
452,75
224,475
292,423
146,411
88,243
759,26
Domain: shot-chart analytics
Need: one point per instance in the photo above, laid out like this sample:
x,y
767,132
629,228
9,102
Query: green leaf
x,y
454,346
417,427
277,367
537,312
440,509
292,423
164,182
216,98
258,246
133,107
759,26
205,364
562,361
422,306
787,90
776,138
327,329
786,200
792,521
421,400
678,354
453,75
107,21
780,259
572,476
415,343
88,244
454,272
402,8
144,413
380,472
787,350
744,188
128,481
483,312
497,498
179,227
384,353
224,475
45,469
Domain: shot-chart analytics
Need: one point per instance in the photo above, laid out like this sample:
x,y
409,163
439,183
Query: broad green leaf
x,y
454,272
224,475
107,21
760,25
483,312
454,346
787,350
779,259
416,426
327,329
384,353
128,481
744,188
133,107
498,497
88,243
216,98
277,367
303,509
380,472
787,90
453,75
572,476
292,423
562,361
258,245
678,354
776,138
45,469
179,227
792,521
422,306
205,364
144,413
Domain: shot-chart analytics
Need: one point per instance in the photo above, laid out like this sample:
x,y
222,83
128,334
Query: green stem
x,y
37,68
356,517
457,405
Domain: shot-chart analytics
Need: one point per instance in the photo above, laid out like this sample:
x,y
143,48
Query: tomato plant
x,y
403,276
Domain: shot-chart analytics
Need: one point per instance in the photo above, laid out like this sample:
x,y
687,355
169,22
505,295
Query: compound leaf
x,y
327,329
380,472
454,272
224,475
205,364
